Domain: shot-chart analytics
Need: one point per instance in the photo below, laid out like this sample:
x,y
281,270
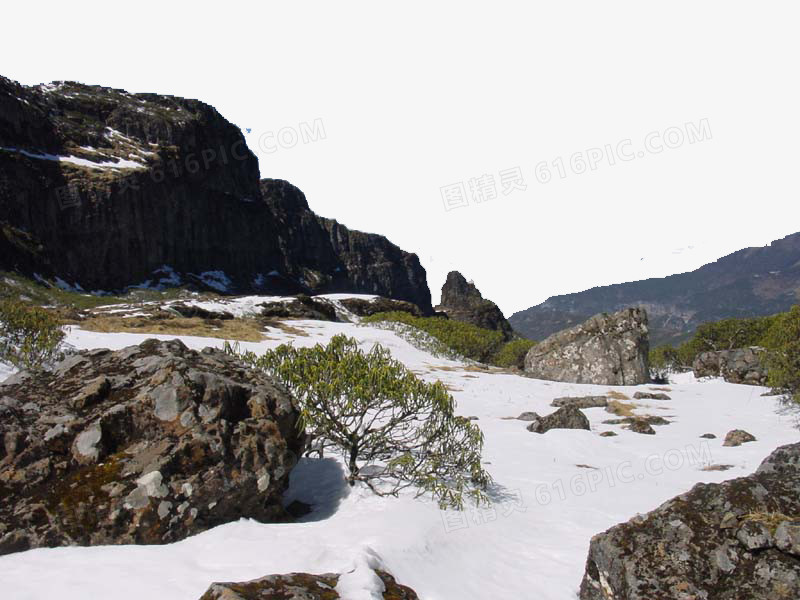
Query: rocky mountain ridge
x,y
101,190
750,282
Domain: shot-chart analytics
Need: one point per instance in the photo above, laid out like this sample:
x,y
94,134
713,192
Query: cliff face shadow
x,y
320,483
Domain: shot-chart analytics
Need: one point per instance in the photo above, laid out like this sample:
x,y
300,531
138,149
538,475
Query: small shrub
x,y
512,353
394,430
454,339
30,337
663,361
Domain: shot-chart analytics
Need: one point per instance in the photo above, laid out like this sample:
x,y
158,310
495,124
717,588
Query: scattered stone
x,y
608,434
299,586
650,396
716,468
708,436
528,416
742,365
641,426
566,417
707,543
737,437
162,442
605,350
648,419
581,401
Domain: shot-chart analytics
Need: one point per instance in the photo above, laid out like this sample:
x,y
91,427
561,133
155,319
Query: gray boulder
x,y
566,417
605,350
581,401
741,365
146,445
726,541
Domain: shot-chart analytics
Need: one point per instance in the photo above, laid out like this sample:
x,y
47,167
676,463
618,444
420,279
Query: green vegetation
x,y
455,338
726,334
778,334
512,354
30,337
394,430
783,358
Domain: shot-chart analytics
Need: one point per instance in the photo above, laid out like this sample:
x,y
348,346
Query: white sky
x,y
416,96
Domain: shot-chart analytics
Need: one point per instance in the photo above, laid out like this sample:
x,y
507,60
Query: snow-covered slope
x,y
553,492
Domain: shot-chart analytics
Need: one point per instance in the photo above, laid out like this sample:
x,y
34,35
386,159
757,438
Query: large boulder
x,y
725,541
299,586
145,445
462,301
605,350
741,365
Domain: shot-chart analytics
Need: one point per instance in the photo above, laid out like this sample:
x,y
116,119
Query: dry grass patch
x,y
242,330
769,520
717,468
661,389
615,395
621,409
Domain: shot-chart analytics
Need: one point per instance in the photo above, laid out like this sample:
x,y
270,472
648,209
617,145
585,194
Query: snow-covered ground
x,y
553,492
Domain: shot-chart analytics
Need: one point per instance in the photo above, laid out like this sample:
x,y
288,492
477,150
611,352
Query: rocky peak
x,y
462,301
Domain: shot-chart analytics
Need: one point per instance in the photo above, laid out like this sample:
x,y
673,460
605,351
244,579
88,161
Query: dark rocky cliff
x,y
750,282
106,189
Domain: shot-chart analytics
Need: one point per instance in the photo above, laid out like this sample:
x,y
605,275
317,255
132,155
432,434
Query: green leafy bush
x,y
512,353
783,356
30,337
467,340
455,339
394,430
663,361
726,334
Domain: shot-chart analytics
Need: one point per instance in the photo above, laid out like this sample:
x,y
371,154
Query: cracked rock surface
x,y
727,541
145,445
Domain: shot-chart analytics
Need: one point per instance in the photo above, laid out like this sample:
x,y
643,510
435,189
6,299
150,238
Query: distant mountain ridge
x,y
749,282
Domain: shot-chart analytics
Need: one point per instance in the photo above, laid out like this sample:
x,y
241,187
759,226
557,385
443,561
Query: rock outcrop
x,y
605,350
105,189
462,301
741,365
726,541
299,586
145,445
364,308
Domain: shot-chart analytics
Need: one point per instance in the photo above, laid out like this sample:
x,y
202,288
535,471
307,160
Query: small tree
x,y
663,361
394,430
783,357
30,337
